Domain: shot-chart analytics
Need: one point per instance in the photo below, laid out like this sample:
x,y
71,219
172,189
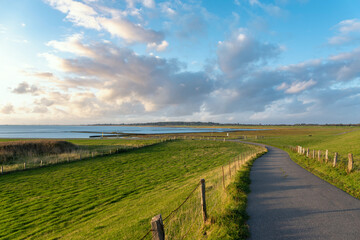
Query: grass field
x,y
111,197
342,139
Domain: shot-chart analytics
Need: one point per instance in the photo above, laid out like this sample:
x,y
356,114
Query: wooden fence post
x,y
41,163
24,165
2,169
326,155
229,170
223,176
203,201
350,163
313,154
319,155
307,152
157,228
335,159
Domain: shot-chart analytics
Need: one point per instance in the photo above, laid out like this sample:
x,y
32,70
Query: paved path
x,y
287,202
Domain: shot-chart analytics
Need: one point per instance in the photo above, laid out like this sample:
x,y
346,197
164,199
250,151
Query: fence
x,y
324,156
34,161
187,221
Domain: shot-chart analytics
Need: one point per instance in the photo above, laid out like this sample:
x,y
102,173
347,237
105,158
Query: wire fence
x,y
18,163
186,221
349,162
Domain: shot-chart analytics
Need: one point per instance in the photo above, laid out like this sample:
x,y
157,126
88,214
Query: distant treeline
x,y
215,124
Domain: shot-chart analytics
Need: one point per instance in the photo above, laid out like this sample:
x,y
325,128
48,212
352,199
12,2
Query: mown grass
x,y
112,197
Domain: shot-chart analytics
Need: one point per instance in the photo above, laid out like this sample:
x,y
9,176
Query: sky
x,y
233,61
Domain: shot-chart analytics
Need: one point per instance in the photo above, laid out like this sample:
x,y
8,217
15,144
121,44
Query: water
x,y
61,131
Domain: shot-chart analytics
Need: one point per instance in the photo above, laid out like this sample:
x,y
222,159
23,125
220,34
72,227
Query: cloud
x,y
145,3
77,12
129,31
24,88
347,31
158,47
112,79
242,51
82,14
7,109
269,8
297,87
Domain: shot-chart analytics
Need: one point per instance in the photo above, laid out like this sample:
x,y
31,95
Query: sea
x,y
87,131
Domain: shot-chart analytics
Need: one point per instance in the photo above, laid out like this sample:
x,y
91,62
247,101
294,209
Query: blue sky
x,y
241,61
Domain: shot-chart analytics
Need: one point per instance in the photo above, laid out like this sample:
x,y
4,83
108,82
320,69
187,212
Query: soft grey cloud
x,y
24,88
242,51
120,78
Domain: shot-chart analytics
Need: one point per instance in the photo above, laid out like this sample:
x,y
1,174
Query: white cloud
x,y
77,12
83,15
347,32
297,87
158,47
129,31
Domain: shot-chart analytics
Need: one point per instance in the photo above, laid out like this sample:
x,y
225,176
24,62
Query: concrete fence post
x,y
335,159
203,200
157,228
350,163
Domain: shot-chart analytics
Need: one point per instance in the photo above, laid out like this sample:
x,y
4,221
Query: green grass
x,y
230,224
112,197
342,139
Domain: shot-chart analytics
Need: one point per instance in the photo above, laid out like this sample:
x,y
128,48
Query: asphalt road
x,y
287,202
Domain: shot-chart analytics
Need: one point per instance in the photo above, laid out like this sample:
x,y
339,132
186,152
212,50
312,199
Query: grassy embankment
x,y
342,140
115,196
16,153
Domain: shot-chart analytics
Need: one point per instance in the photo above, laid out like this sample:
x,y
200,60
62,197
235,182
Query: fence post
x,y
230,170
319,155
203,201
24,165
223,176
2,169
313,154
157,228
326,155
41,163
307,152
350,163
335,159
92,154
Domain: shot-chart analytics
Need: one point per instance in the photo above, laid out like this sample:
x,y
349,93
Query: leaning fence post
x,y
203,201
350,163
157,228
335,159
326,155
